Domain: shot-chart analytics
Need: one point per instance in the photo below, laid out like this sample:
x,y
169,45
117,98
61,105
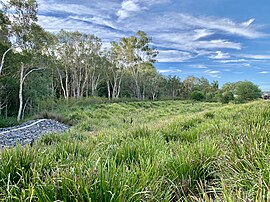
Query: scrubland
x,y
145,151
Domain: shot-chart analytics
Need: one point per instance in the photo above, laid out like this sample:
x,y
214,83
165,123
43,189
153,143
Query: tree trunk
x,y
22,79
3,59
108,89
62,85
21,94
67,90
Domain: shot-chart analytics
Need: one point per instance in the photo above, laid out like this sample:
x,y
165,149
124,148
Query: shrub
x,y
197,95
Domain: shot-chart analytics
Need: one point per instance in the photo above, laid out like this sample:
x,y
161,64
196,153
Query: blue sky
x,y
224,40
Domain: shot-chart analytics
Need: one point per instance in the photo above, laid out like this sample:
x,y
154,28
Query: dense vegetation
x,y
146,151
37,65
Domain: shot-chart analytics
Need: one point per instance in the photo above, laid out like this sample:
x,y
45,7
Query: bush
x,y
7,122
226,97
197,95
246,91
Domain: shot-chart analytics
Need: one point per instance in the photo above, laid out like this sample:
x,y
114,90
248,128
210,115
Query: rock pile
x,y
29,131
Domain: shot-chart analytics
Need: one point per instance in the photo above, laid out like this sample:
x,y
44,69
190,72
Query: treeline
x,y
37,65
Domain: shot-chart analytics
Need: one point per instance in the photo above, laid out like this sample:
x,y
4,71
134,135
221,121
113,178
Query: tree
x,y
246,91
226,97
173,86
4,32
215,86
228,87
114,71
81,63
189,85
24,31
150,82
135,52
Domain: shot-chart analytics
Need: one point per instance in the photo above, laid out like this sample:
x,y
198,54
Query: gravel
x,y
29,131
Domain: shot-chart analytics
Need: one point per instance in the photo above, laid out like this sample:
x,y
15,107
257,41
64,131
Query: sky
x,y
224,40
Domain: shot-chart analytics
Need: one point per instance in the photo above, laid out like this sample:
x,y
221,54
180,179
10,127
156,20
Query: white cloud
x,y
187,22
222,24
227,70
55,24
249,22
130,6
199,66
52,6
256,57
264,72
173,56
220,55
186,41
127,8
169,70
201,33
247,65
212,73
231,61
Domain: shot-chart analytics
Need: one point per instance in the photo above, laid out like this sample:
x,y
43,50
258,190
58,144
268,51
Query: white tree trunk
x,y
67,91
62,85
108,89
22,79
21,94
3,59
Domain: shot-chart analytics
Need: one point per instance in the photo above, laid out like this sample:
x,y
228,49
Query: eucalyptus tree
x,y
135,51
173,86
151,82
4,39
114,70
81,59
23,32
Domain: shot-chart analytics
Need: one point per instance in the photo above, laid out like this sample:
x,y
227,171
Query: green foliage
x,y
226,97
171,152
246,91
7,122
197,95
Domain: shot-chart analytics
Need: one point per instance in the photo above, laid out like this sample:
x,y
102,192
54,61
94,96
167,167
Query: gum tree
x,y
135,52
26,38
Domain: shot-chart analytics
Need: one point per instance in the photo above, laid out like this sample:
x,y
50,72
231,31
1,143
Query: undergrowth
x,y
153,151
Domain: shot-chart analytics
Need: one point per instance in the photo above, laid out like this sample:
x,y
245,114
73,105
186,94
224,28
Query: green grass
x,y
172,151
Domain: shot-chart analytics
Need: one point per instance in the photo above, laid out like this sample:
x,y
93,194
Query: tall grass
x,y
171,151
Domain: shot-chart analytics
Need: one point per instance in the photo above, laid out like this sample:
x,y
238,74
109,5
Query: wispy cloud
x,y
264,72
173,56
220,55
199,66
213,73
244,29
169,70
254,56
187,41
129,7
54,24
50,6
231,61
